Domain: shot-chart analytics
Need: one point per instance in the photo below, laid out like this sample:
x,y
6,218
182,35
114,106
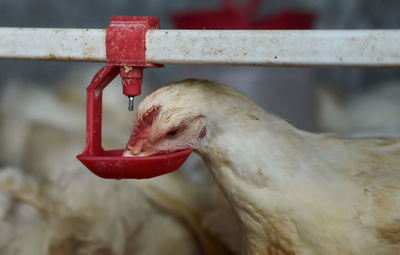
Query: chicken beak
x,y
135,150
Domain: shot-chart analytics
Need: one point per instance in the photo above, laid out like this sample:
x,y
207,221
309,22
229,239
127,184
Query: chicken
x,y
294,192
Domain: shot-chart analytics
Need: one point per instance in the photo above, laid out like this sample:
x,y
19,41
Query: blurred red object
x,y
233,16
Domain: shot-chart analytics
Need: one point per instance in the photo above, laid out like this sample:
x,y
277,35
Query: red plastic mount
x,y
125,40
111,164
126,47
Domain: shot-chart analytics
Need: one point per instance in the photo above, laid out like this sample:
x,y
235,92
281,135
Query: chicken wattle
x,y
294,192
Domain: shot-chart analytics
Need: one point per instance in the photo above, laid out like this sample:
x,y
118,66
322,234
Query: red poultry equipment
x,y
125,49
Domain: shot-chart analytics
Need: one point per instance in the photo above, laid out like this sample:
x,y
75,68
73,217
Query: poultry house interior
x,y
51,204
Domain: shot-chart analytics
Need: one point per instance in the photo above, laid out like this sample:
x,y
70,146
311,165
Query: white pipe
x,y
363,48
53,44
340,48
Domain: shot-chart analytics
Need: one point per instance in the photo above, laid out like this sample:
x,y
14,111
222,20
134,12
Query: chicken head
x,y
164,128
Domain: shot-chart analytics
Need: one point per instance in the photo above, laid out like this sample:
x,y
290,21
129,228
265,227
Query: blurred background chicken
x,y
374,112
78,214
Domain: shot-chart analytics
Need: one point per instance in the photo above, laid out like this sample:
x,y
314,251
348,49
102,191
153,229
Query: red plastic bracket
x,y
126,48
126,38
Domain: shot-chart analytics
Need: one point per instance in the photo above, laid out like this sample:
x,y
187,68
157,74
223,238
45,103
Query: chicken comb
x,y
143,125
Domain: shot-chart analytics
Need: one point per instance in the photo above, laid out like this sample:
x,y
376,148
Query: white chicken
x,y
294,192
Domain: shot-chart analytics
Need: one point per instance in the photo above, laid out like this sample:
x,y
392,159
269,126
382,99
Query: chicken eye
x,y
172,132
